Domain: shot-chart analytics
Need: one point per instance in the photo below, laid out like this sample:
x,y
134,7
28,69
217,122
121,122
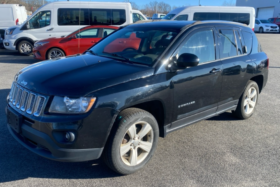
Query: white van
x,y
245,15
61,18
11,15
158,16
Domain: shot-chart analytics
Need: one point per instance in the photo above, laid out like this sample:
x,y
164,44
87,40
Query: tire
x,y
121,147
247,102
55,53
25,47
261,30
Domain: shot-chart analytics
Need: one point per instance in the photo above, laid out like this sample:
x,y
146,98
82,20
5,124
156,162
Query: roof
x,y
178,25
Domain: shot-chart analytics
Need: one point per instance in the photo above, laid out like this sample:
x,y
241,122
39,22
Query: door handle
x,y
215,70
93,42
50,29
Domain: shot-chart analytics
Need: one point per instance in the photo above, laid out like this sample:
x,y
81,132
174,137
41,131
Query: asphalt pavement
x,y
221,151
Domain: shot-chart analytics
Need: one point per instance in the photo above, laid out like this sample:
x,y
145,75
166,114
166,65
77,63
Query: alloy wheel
x,y
55,54
137,143
250,100
26,48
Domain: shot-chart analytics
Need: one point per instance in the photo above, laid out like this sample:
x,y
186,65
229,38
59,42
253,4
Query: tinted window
x,y
257,22
182,17
137,17
41,19
248,39
277,20
100,16
118,17
238,40
72,16
228,46
90,33
270,20
236,17
169,16
264,21
201,44
106,32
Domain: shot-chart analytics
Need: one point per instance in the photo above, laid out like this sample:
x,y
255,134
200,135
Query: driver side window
x,y
137,17
201,44
40,20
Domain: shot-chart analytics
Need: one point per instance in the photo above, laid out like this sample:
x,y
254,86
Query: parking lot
x,y
221,151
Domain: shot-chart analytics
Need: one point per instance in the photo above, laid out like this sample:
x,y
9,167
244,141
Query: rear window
x,y
248,39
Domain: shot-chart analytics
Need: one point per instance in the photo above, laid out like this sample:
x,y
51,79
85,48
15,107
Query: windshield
x,y
169,16
135,45
264,21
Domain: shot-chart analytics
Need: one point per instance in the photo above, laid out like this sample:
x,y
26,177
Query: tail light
x,y
253,29
267,63
17,22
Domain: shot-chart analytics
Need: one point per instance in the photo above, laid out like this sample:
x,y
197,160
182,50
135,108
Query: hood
x,y
78,76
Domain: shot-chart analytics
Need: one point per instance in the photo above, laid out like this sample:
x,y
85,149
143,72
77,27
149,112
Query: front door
x,y
88,38
197,89
40,26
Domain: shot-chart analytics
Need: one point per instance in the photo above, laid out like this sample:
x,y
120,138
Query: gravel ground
x,y
221,151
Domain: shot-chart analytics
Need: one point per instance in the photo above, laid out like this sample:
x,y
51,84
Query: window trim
x,y
175,19
189,34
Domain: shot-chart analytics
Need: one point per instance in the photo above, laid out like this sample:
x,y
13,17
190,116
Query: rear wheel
x,y
261,30
55,53
133,142
25,47
248,101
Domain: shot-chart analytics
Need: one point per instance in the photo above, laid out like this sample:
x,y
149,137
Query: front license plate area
x,y
14,120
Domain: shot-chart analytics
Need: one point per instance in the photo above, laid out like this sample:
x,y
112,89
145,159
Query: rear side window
x,y
84,16
248,39
228,45
235,17
201,44
182,18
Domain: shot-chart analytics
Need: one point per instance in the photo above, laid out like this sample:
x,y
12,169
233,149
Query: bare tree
x,y
229,3
156,7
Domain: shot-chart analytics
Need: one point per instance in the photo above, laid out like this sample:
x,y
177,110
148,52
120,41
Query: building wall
x,y
261,4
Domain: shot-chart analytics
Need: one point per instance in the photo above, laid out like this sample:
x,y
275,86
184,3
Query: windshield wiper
x,y
91,52
119,56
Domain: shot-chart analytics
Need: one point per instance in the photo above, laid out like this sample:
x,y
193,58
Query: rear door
x,y
197,89
237,66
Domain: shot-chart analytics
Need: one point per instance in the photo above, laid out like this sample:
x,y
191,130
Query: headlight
x,y
267,25
37,44
71,105
10,31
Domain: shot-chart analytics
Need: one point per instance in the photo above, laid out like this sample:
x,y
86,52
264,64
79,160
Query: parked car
x,y
75,43
245,15
11,15
263,25
158,16
117,103
62,18
275,21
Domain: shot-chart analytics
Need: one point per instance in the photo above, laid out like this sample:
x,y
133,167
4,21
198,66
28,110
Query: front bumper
x,y
270,30
9,44
39,54
43,145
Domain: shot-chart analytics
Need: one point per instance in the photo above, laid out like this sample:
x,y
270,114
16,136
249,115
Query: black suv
x,y
143,81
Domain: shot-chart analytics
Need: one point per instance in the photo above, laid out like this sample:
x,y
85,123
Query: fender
x,y
23,38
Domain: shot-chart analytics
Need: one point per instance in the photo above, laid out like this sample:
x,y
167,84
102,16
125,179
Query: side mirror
x,y
73,37
187,60
27,25
244,48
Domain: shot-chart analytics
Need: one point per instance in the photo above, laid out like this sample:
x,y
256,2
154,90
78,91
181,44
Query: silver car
x,y
263,25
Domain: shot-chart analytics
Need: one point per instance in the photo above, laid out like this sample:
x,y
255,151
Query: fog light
x,y
6,43
70,136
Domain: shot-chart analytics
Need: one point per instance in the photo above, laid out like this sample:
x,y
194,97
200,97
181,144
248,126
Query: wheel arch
x,y
259,80
21,39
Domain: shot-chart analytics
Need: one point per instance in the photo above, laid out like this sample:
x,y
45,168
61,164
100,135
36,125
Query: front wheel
x,y
261,30
133,142
25,47
248,101
55,53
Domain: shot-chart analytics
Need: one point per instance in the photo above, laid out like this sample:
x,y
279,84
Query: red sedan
x,y
75,43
